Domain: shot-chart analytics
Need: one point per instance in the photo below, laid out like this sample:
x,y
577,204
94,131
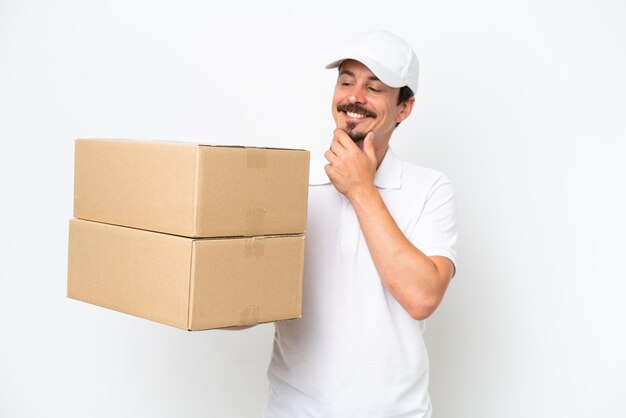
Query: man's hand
x,y
350,169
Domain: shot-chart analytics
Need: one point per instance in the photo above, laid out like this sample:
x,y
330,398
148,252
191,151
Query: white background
x,y
521,104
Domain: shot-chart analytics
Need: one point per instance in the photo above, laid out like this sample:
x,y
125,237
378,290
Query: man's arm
x,y
418,282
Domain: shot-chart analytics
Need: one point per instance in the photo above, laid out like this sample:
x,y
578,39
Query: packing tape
x,y
255,247
255,221
250,316
256,158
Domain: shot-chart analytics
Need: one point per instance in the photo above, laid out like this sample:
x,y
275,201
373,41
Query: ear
x,y
405,109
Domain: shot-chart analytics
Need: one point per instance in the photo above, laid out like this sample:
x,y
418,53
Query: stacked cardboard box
x,y
189,235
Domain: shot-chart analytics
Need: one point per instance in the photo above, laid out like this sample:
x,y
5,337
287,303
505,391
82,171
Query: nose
x,y
356,96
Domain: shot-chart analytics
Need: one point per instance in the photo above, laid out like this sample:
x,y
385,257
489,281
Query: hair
x,y
405,94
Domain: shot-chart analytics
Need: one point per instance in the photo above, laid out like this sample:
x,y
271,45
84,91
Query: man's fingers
x,y
336,147
331,157
343,139
368,146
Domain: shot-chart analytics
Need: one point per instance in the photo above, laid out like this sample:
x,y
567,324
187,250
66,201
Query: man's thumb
x,y
368,145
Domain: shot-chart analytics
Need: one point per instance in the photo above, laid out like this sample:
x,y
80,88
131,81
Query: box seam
x,y
197,238
196,193
190,284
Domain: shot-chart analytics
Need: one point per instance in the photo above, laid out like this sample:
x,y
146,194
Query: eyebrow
x,y
351,74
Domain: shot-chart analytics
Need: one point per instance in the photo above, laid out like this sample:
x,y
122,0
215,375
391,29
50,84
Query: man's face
x,y
362,103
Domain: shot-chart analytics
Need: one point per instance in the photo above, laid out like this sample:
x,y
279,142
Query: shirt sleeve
x,y
435,232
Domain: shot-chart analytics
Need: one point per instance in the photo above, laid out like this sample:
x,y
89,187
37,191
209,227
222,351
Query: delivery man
x,y
380,252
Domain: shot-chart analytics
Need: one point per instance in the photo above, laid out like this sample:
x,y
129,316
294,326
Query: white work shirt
x,y
356,352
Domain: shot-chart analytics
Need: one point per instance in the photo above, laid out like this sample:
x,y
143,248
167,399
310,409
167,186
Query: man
x,y
380,252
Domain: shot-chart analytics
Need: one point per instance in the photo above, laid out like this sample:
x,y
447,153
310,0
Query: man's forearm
x,y
417,281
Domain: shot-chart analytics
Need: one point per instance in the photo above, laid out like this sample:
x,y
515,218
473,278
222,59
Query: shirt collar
x,y
388,175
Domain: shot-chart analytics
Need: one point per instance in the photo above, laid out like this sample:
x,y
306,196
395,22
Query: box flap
x,y
246,281
251,191
252,147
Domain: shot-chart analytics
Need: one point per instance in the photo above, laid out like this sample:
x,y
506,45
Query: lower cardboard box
x,y
188,283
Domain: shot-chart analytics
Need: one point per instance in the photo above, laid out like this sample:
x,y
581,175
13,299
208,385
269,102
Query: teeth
x,y
355,115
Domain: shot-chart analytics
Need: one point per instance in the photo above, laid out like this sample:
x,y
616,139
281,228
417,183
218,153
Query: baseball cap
x,y
388,56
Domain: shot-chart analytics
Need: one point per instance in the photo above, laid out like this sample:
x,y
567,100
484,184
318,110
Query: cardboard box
x,y
188,283
191,190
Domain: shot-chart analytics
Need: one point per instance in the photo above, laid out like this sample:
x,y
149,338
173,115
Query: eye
x,y
373,89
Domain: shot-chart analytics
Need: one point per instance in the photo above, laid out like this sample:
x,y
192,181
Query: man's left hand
x,y
350,169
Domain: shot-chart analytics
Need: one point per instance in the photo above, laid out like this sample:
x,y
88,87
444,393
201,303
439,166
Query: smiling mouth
x,y
355,115
356,112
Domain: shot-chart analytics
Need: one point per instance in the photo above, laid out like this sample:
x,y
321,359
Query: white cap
x,y
389,57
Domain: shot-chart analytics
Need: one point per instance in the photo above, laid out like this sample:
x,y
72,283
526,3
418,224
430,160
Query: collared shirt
x,y
356,352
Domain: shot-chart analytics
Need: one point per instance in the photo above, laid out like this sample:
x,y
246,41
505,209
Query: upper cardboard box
x,y
190,189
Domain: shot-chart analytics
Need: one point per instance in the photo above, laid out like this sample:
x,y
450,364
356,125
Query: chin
x,y
358,137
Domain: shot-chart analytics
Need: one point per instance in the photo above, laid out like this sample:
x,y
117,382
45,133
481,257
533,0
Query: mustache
x,y
355,108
